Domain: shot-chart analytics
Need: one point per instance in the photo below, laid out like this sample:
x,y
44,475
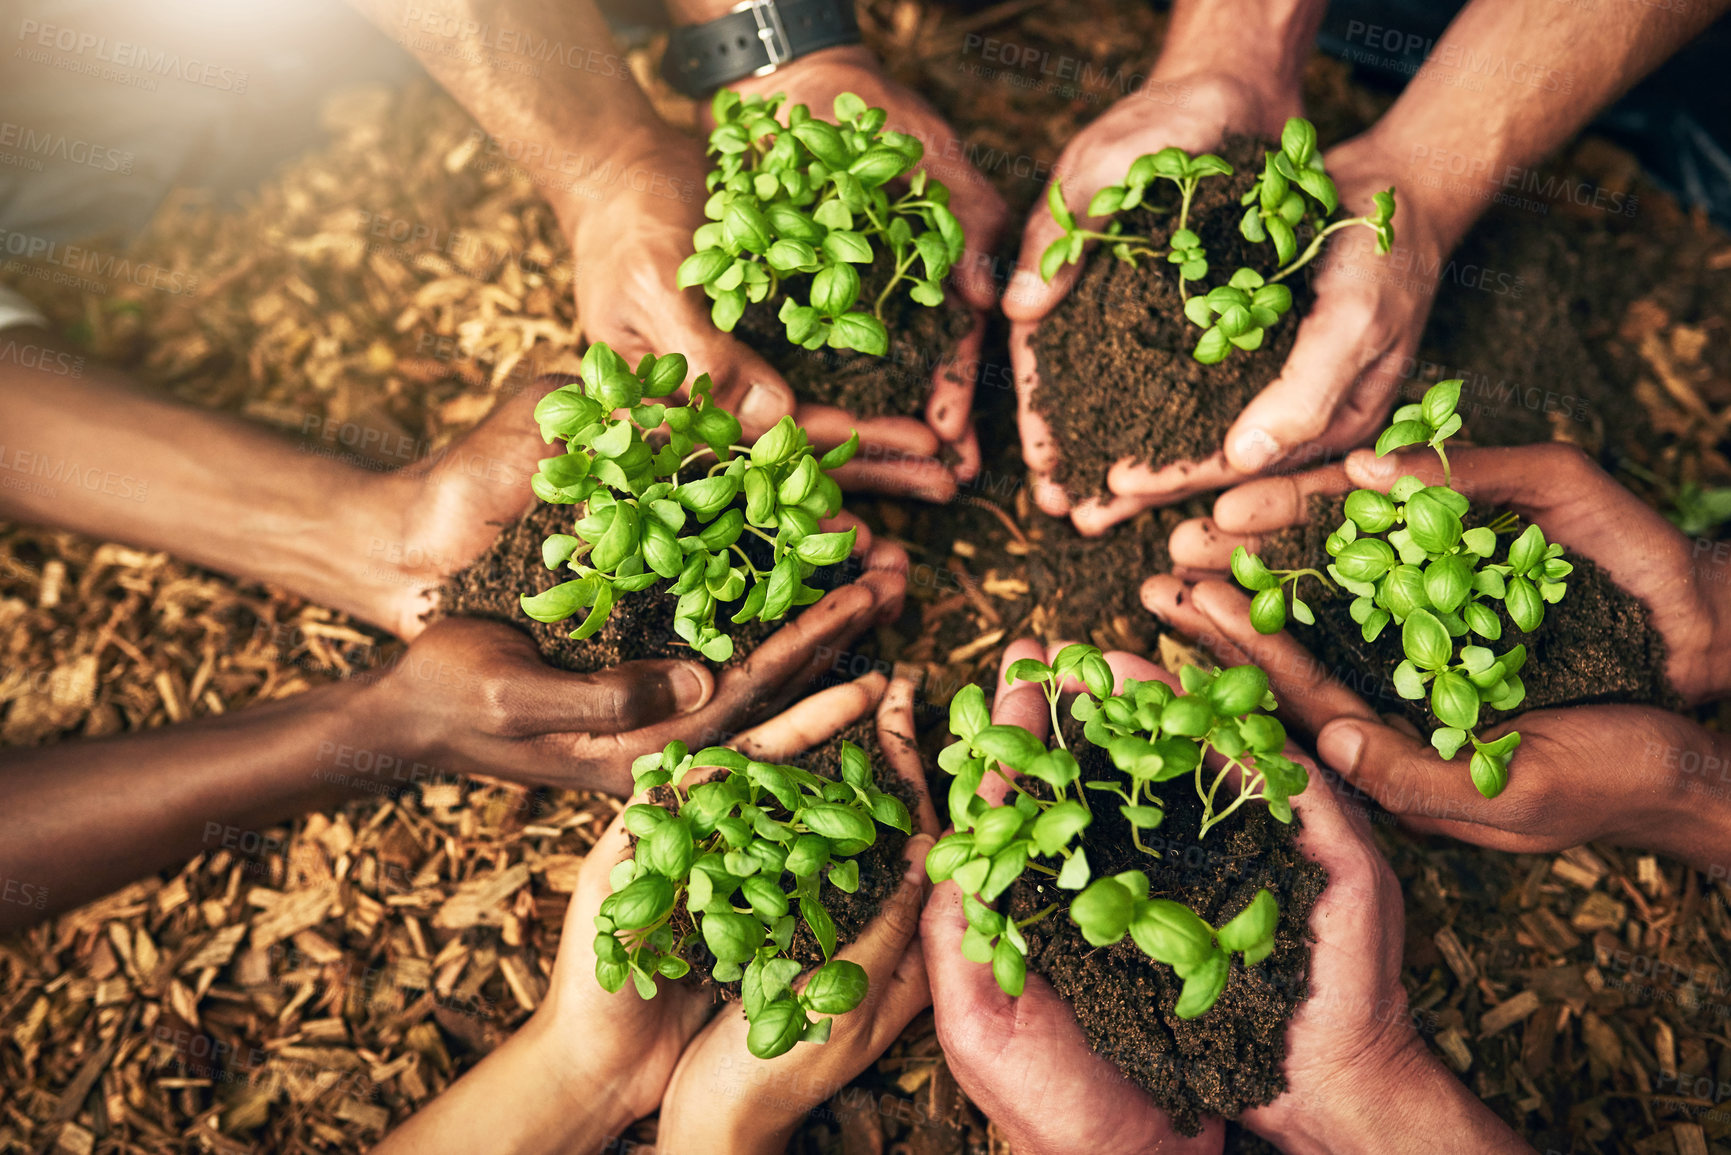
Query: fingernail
x,y
1339,745
763,405
691,685
1255,449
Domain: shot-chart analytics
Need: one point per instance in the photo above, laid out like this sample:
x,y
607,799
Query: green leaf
x,y
839,823
1011,745
1454,700
1490,773
1434,527
1298,141
1252,925
1447,740
1009,968
825,548
1054,829
1525,606
861,332
1203,986
1526,552
822,926
1371,511
1268,611
1402,433
775,1030
1060,211
641,903
1171,933
1285,241
1425,641
1074,875
1103,911
1237,690
560,602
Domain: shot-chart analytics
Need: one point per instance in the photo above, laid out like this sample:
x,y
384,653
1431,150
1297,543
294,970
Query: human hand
x,y
1558,488
815,81
720,1097
472,695
1622,774
1024,1060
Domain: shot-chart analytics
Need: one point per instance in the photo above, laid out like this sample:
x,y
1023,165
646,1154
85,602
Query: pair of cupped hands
x,y
1023,1061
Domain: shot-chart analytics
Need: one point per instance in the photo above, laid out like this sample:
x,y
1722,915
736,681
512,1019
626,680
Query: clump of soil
x,y
641,625
881,865
1116,375
1091,587
1596,646
894,385
1232,1058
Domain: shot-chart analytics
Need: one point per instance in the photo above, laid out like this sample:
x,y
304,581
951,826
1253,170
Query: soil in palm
x,y
641,625
895,385
1117,379
1596,646
1231,1058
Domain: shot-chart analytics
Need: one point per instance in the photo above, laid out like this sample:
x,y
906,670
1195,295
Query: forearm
x,y
1413,1104
579,111
1691,819
100,456
523,1099
80,819
1264,43
1510,82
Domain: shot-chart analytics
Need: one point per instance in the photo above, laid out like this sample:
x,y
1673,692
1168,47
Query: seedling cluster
x,y
740,853
808,198
1293,191
1152,735
673,513
1409,561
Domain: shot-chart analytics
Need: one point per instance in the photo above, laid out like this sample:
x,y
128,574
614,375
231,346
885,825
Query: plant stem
x,y
1314,247
901,268
1036,917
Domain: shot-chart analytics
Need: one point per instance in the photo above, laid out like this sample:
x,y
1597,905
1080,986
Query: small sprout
x,y
742,853
675,514
796,204
1409,559
1152,735
1293,191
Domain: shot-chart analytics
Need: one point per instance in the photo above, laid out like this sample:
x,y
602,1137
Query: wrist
x,y
1261,45
1693,824
1406,1101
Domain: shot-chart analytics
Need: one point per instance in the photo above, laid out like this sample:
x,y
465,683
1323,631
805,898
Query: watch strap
x,y
754,39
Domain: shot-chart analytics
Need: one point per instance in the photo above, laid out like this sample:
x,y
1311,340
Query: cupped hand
x,y
1558,488
1024,1060
815,81
1194,113
722,1098
1632,775
474,696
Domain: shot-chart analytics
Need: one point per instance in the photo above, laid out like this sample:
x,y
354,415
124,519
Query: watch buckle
x,y
771,31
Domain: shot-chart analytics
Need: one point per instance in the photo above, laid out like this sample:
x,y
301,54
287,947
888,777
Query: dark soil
x,y
1232,1058
1595,646
641,626
1116,376
880,867
896,384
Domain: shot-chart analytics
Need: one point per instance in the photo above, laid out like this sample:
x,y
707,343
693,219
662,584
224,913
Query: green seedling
x,y
1411,563
676,511
1152,735
1293,192
796,206
747,854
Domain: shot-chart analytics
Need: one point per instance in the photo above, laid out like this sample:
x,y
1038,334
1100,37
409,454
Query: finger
x,y
1029,297
1021,703
1269,504
885,939
593,883
1095,516
952,399
829,426
1039,451
967,449
812,721
1337,342
1131,478
897,738
746,385
898,475
1200,548
1402,774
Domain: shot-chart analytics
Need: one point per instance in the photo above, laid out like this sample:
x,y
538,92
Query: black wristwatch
x,y
755,39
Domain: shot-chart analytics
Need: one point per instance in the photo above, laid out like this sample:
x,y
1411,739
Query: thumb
x,y
746,385
885,939
537,699
1337,343
1403,775
1030,297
